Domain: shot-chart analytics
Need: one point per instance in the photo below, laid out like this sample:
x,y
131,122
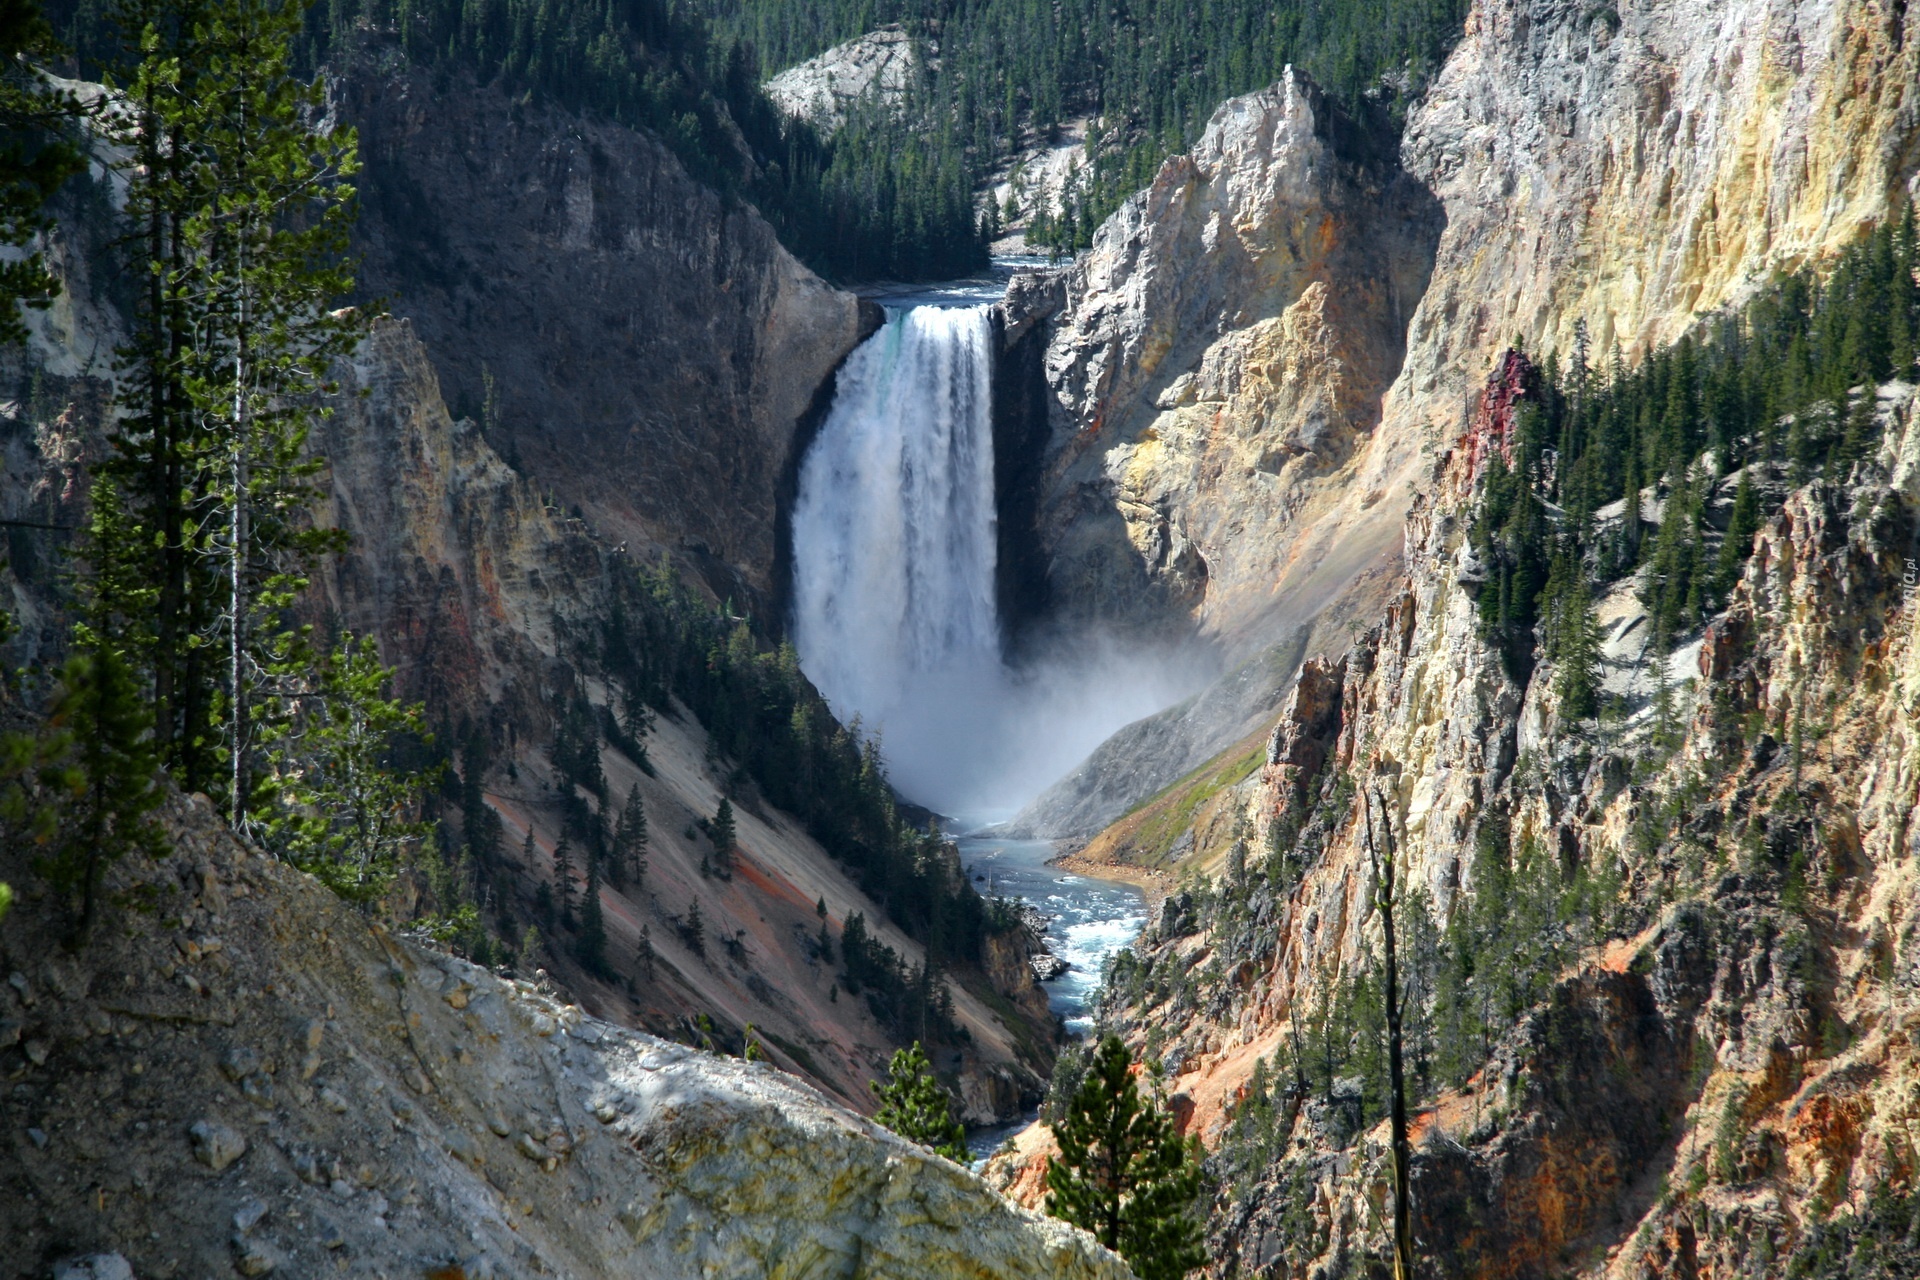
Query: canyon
x,y
1247,431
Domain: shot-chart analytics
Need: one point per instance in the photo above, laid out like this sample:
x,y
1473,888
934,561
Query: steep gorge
x,y
493,559
1705,1090
1628,168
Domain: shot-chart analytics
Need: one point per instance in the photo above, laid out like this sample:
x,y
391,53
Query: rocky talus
x,y
1234,447
243,1075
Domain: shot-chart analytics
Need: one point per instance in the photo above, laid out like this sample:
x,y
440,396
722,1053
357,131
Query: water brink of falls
x,y
894,551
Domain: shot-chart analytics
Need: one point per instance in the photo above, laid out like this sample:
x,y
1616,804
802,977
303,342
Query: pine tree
x,y
36,158
591,947
563,880
242,212
724,839
917,1106
94,766
333,804
1577,662
630,841
1123,1174
1741,526
695,930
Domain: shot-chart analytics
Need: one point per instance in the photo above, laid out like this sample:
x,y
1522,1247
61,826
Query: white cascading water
x,y
894,534
894,554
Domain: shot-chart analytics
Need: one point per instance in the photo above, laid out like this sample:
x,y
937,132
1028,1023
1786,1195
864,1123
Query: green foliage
x,y
83,790
917,1107
629,859
6,899
238,212
1153,70
591,946
1882,1239
1804,355
334,805
907,1000
1572,641
763,718
725,838
1123,1174
37,156
694,930
576,747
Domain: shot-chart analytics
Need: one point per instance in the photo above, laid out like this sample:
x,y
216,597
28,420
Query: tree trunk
x,y
1396,1073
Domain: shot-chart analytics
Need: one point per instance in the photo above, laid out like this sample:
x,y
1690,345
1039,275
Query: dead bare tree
x,y
1383,868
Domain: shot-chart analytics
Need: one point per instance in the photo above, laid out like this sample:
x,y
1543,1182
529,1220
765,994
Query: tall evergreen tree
x,y
243,208
591,947
333,804
563,880
96,774
1577,660
1123,1174
630,840
725,838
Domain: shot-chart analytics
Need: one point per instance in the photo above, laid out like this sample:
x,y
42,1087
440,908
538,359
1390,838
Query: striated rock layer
x,y
247,1074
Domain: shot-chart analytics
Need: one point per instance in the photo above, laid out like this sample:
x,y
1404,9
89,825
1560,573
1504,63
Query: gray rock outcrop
x,y
873,70
405,1113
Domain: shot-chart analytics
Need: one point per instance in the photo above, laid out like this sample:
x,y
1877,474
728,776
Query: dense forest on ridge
x,y
892,194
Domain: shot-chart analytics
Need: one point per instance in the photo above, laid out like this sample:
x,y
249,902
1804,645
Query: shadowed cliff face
x,y
651,345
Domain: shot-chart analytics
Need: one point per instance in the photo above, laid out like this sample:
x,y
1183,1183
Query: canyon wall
x,y
637,344
1708,1093
1750,1047
1258,361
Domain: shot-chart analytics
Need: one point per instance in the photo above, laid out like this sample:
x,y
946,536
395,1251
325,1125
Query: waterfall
x,y
894,539
894,551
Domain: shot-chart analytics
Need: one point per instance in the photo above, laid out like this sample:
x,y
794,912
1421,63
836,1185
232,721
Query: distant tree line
x,y
871,202
1153,71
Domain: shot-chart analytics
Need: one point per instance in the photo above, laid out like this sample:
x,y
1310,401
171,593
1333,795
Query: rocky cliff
x,y
244,1074
870,72
1745,1038
1234,447
638,345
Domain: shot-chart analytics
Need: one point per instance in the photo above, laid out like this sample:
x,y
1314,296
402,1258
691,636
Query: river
x,y
1087,921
